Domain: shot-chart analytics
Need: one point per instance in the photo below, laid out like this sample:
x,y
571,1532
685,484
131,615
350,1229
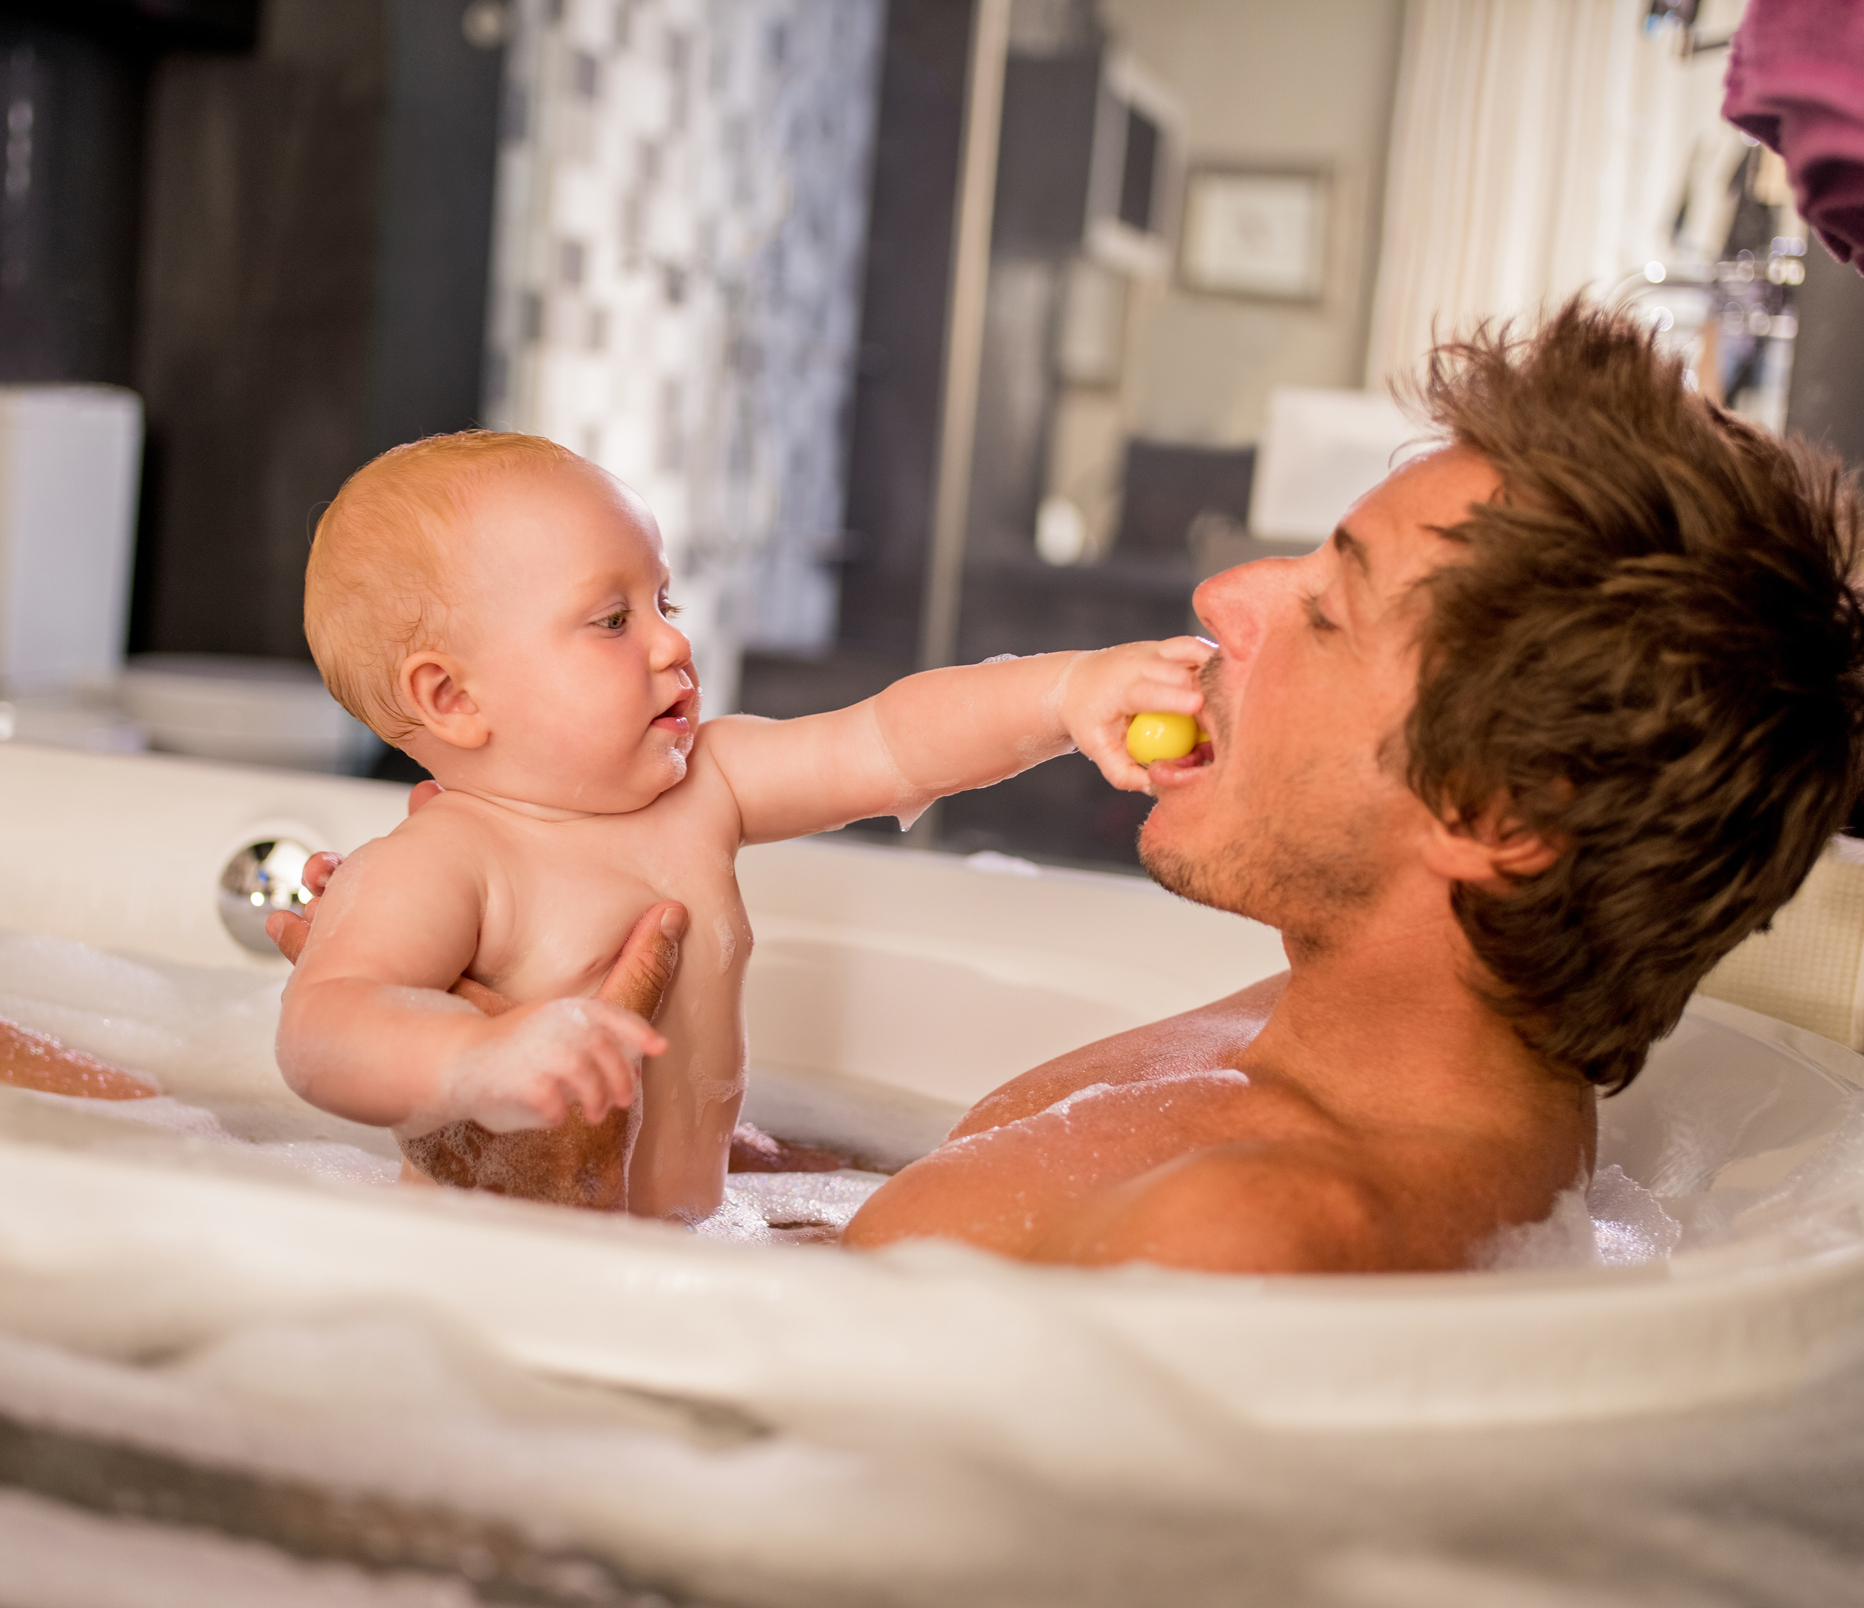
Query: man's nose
x,y
1236,603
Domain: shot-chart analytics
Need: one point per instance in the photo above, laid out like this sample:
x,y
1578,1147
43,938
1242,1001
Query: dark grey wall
x,y
1826,399
316,244
70,126
433,252
893,446
73,82
257,278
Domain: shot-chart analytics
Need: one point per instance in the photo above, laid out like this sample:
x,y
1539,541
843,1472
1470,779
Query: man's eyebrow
x,y
1349,546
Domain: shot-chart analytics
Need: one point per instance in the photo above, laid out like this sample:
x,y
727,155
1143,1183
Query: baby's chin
x,y
644,781
599,790
653,774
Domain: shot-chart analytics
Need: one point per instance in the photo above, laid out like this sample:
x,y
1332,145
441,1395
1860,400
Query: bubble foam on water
x,y
765,1208
204,1036
1752,1503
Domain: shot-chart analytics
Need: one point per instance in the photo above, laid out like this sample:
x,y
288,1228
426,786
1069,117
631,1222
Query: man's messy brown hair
x,y
1652,658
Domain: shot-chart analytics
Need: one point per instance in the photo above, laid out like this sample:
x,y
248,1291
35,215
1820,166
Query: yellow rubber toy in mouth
x,y
1156,735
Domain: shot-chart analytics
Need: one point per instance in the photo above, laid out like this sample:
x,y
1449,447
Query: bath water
x,y
626,1499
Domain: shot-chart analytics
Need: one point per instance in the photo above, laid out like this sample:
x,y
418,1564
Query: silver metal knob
x,y
263,877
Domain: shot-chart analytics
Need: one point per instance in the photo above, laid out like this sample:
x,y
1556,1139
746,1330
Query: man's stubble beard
x,y
1310,892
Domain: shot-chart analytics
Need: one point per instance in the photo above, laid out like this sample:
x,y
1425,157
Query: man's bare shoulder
x,y
1213,1170
1200,1171
1290,1205
1211,1036
1173,1144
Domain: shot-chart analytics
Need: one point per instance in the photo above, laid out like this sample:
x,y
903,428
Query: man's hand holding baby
x,y
543,1057
528,1066
380,994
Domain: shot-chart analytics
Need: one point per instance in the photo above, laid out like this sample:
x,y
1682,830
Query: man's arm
x,y
944,731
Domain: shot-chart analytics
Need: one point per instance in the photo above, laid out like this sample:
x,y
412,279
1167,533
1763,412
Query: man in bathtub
x,y
1557,717
498,608
1560,714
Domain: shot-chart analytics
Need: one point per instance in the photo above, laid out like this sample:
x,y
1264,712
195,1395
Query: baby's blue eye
x,y
669,611
616,620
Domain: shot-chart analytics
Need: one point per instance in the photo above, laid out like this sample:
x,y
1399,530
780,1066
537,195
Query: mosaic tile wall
x,y
676,282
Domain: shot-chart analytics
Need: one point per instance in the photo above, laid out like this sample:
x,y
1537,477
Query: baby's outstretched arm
x,y
944,731
368,1031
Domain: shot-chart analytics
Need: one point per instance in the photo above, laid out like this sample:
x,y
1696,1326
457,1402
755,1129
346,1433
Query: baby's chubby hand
x,y
1102,691
525,1068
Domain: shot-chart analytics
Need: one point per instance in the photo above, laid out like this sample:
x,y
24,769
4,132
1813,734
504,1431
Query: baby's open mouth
x,y
675,717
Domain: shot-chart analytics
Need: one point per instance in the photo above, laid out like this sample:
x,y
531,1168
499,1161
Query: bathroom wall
x,y
1256,83
72,106
1262,82
254,320
682,207
316,222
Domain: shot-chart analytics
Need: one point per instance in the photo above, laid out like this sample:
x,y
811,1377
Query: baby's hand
x,y
525,1069
1101,692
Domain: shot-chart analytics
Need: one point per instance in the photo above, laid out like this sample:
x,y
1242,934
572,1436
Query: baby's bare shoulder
x,y
453,823
442,840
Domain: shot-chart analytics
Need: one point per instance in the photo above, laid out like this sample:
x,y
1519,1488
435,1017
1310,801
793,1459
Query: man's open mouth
x,y
1197,759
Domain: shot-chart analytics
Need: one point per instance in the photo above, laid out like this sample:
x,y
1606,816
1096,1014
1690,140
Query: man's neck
x,y
1383,1021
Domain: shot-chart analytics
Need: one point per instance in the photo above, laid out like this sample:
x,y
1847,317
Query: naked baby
x,y
498,608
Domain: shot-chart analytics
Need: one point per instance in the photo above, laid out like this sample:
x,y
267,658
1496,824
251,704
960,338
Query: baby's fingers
x,y
1117,765
592,1080
1191,650
587,1089
1152,695
618,1067
544,1105
632,1037
317,872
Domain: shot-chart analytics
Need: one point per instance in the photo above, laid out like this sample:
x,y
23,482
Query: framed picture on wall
x,y
1255,232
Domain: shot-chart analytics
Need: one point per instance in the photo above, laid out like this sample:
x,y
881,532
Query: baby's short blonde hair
x,y
374,590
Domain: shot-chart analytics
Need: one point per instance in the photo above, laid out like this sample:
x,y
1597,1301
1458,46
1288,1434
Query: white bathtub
x,y
888,990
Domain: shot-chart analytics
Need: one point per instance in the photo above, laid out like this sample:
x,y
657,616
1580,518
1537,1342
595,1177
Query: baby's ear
x,y
435,693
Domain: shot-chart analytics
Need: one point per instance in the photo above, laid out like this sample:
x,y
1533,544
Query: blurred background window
x,y
930,329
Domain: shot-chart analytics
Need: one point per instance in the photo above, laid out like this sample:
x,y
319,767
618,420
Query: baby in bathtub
x,y
497,607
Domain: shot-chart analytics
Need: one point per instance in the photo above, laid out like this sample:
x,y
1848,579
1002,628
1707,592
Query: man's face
x,y
1301,812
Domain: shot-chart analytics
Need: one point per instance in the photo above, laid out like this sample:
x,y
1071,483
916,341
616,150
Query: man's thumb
x,y
643,972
